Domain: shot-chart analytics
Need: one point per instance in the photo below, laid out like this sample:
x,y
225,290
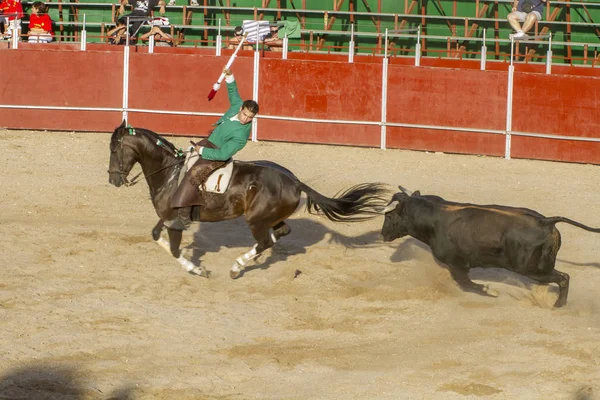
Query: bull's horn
x,y
390,207
408,192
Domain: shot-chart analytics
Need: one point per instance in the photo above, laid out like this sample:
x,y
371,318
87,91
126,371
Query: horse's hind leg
x,y
264,241
280,230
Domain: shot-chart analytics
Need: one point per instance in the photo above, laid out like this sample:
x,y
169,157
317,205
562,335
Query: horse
x,y
264,192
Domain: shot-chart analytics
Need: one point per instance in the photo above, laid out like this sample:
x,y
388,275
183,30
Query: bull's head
x,y
394,224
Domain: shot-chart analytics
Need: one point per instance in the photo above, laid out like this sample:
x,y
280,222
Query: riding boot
x,y
182,220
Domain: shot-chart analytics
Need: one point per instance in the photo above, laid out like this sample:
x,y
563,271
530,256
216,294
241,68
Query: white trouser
x,y
40,38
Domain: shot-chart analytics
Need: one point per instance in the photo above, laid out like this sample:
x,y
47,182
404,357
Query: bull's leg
x,y
264,241
560,278
461,276
157,229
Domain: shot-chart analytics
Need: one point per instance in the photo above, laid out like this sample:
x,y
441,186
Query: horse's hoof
x,y
235,274
199,271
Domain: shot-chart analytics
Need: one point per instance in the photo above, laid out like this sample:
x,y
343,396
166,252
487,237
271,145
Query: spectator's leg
x,y
514,19
529,22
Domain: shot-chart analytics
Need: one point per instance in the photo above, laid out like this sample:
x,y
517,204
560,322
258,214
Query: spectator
x,y
527,12
13,12
192,3
273,41
140,13
161,39
118,34
238,32
40,24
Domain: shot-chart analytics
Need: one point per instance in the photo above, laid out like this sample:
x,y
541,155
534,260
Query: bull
x,y
464,236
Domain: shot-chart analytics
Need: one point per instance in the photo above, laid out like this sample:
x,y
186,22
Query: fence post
x,y
483,53
219,39
509,102
151,44
83,42
255,91
125,80
418,49
285,47
549,56
351,45
384,74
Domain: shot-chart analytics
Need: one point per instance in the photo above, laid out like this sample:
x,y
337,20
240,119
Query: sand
x,y
92,308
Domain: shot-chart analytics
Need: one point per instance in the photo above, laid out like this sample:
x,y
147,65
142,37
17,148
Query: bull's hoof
x,y
490,292
560,303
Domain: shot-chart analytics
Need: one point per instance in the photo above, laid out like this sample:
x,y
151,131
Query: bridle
x,y
178,154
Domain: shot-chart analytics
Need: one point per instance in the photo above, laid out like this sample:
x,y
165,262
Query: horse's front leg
x,y
173,247
158,229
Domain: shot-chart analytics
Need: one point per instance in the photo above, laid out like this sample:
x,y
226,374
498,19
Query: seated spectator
x,y
117,35
192,3
527,12
273,40
40,24
12,11
139,15
238,32
161,39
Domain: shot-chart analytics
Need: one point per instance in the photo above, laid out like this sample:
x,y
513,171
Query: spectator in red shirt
x,y
40,24
12,11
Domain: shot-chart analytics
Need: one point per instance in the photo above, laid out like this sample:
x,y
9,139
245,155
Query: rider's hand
x,y
227,71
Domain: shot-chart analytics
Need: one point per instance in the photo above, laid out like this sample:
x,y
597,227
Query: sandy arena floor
x,y
92,308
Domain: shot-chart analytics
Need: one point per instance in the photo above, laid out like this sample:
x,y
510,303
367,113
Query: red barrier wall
x,y
320,90
308,86
181,82
44,77
557,105
446,97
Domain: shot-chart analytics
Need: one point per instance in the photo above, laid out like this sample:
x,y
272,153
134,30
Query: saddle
x,y
188,193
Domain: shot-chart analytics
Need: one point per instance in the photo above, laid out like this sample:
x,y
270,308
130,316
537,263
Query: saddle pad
x,y
218,180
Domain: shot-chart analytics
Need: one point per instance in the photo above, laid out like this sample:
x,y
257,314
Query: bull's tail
x,y
356,203
555,220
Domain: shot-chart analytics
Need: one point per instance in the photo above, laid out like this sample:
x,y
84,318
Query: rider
x,y
229,136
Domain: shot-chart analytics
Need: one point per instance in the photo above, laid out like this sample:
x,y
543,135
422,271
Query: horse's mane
x,y
158,138
153,137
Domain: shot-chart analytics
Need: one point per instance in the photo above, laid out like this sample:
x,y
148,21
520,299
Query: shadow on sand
x,y
53,382
305,233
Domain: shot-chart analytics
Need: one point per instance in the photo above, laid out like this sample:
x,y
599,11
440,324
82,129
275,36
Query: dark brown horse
x,y
265,193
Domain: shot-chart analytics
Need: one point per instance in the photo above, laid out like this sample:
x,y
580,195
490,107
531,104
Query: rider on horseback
x,y
229,136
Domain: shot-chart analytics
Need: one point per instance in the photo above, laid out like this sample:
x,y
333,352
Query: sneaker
x,y
171,3
519,35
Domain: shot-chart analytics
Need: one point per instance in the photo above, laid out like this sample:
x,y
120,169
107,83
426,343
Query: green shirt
x,y
229,136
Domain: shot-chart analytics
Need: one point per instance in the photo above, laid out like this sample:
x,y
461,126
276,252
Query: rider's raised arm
x,y
235,101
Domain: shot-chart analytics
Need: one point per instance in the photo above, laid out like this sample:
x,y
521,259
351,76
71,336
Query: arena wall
x,y
450,106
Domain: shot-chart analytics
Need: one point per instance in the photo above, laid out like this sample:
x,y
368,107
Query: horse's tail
x,y
357,203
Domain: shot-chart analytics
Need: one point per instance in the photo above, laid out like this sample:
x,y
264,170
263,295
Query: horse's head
x,y
122,155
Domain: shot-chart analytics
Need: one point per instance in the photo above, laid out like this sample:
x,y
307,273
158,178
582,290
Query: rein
x,y
178,154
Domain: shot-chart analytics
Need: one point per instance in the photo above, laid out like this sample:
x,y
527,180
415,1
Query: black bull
x,y
465,236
